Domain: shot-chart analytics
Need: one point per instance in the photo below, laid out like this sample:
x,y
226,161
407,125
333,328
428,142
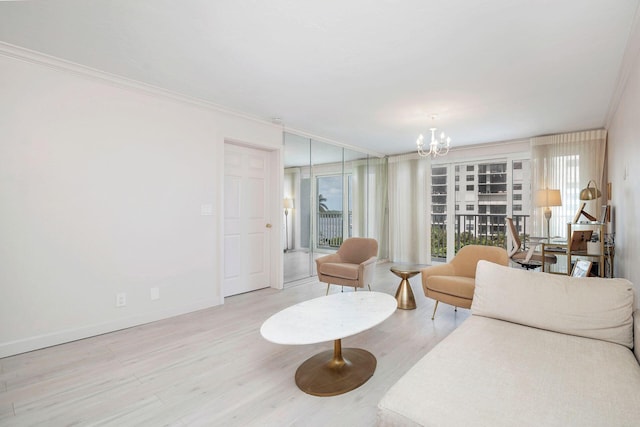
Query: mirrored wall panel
x,y
330,194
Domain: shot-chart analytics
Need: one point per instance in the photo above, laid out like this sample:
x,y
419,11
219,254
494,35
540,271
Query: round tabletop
x,y
407,268
328,318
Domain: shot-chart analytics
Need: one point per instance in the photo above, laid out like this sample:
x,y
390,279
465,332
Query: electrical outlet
x,y
154,293
121,299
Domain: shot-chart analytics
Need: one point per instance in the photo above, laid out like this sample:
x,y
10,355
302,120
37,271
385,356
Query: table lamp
x,y
547,198
587,194
288,204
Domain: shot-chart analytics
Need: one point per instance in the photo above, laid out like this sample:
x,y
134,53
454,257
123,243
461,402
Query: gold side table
x,y
404,294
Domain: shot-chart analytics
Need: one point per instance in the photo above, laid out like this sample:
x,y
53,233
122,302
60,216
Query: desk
x,y
558,247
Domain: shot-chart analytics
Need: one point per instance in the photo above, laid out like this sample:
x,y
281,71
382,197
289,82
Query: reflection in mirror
x,y
336,193
297,226
328,194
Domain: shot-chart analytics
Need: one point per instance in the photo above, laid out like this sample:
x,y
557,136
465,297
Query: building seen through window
x,y
479,210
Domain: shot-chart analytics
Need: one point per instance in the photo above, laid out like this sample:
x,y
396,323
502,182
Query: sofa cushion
x,y
493,373
587,307
338,269
452,285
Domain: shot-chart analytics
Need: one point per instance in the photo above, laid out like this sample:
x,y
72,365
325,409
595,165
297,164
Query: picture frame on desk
x,y
579,239
581,268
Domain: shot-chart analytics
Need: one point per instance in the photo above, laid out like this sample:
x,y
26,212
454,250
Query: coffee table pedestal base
x,y
335,372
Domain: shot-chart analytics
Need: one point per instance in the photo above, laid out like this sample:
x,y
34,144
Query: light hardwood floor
x,y
212,367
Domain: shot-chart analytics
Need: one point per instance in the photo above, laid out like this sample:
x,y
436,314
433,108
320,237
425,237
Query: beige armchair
x,y
454,283
353,264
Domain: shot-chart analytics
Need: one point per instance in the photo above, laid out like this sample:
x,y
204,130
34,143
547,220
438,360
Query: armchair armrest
x,y
327,258
438,270
371,260
366,270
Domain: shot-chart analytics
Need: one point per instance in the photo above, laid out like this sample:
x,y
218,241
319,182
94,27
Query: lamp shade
x,y
590,193
547,197
288,203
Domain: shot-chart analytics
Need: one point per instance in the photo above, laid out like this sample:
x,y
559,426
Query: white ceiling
x,y
361,72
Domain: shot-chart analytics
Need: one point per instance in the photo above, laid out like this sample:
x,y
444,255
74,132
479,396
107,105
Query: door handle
x,y
268,225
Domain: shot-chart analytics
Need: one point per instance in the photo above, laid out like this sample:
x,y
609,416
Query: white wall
x,y
624,175
101,188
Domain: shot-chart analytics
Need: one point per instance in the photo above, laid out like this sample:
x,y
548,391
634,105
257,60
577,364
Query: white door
x,y
246,230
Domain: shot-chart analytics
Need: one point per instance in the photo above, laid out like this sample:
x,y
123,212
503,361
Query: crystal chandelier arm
x,y
437,146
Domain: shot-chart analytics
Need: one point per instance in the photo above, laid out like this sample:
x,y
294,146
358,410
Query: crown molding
x,y
58,64
631,53
331,141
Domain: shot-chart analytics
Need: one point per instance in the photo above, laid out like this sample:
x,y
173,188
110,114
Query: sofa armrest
x,y
636,334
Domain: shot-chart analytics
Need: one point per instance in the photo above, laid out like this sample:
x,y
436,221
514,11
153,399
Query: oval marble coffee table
x,y
331,318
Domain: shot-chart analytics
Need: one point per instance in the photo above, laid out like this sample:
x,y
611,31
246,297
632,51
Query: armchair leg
x,y
369,288
434,310
328,286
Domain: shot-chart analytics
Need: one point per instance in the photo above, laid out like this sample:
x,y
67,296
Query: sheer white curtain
x,y
410,209
567,162
370,202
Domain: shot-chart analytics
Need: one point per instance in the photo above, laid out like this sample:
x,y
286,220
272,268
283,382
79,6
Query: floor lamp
x,y
547,198
288,204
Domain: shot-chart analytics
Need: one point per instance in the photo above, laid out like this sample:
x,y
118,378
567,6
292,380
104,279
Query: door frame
x,y
274,204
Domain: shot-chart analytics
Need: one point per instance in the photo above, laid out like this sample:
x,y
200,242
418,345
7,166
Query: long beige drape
x,y
567,162
370,202
410,209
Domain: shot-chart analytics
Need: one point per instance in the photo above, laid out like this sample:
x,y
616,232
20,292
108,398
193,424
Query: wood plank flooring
x,y
212,368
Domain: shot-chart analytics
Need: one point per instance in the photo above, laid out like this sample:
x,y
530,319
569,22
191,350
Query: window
x,y
480,209
499,209
439,190
439,209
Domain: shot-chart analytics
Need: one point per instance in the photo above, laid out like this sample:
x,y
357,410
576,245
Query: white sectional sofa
x,y
538,350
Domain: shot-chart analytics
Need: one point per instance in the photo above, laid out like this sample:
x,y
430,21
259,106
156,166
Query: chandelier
x,y
437,146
